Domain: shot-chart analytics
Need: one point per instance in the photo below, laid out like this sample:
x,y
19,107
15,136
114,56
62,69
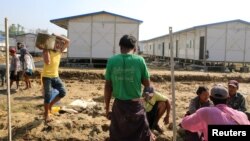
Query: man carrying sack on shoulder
x,y
50,78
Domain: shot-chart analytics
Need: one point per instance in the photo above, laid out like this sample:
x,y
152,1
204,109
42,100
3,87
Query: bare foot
x,y
48,119
16,90
26,88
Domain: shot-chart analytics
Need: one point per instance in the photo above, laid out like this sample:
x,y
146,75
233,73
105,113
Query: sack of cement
x,y
68,110
51,42
45,41
83,104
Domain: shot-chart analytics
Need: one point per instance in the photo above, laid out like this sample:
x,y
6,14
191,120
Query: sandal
x,y
158,129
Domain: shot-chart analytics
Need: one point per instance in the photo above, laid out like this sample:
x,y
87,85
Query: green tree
x,y
12,30
41,31
16,30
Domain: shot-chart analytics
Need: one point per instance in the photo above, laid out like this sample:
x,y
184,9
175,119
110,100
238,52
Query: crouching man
x,y
156,105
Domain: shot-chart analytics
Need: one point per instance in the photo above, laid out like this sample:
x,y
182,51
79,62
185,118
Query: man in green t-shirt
x,y
156,104
125,73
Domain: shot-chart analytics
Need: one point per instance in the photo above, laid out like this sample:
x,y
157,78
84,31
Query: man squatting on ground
x,y
236,100
156,105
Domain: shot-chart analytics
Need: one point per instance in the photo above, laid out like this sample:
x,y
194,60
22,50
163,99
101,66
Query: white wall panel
x,y
216,42
235,42
122,29
80,39
247,47
102,40
182,49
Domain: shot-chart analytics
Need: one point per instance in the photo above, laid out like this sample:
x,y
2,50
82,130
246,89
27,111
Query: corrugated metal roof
x,y
201,26
62,22
212,24
238,20
26,34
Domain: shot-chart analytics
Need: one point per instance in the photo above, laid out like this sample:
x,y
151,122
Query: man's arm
x,y
194,122
107,96
146,82
46,56
61,42
243,105
192,106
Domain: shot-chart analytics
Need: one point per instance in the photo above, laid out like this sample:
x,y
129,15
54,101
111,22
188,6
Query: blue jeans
x,y
48,84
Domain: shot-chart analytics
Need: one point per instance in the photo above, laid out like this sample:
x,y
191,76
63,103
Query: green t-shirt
x,y
126,72
156,97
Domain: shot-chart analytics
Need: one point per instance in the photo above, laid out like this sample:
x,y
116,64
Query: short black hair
x,y
201,89
218,101
19,45
127,41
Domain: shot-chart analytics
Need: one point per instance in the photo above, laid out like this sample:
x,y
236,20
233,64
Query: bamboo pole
x,y
172,82
8,77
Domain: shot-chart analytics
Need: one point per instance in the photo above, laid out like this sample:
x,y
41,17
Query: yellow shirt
x,y
51,70
156,97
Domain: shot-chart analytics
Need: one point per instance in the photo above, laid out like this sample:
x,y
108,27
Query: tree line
x,y
17,29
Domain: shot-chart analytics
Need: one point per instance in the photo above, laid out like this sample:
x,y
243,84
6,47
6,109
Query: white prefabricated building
x,y
227,41
29,40
96,35
12,43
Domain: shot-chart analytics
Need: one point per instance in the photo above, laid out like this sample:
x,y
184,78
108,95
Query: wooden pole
x,y
172,82
8,77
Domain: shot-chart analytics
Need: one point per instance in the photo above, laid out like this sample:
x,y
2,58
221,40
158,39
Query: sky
x,y
157,15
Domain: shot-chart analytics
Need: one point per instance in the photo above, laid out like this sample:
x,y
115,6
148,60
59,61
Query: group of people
x,y
227,107
21,66
137,107
135,112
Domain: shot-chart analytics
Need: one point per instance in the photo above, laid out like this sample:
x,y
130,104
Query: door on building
x,y
177,49
154,49
163,49
202,47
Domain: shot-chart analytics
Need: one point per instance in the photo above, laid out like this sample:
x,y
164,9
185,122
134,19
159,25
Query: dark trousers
x,y
128,122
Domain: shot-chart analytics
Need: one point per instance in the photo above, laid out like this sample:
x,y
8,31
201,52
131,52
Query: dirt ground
x,y
90,124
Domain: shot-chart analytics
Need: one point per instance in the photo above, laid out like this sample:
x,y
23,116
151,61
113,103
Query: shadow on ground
x,y
22,132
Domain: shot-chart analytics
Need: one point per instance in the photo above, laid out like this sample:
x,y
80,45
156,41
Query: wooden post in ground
x,y
172,82
8,77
